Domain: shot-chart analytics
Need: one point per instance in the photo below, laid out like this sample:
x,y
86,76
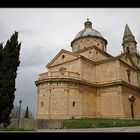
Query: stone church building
x,y
89,82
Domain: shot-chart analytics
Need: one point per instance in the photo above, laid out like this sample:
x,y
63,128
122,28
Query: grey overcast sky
x,y
45,31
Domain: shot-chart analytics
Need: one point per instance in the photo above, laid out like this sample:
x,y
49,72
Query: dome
x,y
88,32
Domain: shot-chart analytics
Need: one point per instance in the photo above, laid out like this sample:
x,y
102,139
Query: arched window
x,y
128,49
41,104
73,103
128,75
132,102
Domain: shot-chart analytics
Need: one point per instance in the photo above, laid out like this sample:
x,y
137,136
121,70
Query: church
x,y
88,82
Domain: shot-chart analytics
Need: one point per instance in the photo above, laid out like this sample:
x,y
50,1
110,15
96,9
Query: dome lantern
x,y
88,24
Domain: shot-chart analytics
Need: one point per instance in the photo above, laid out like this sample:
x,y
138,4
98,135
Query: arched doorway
x,y
132,101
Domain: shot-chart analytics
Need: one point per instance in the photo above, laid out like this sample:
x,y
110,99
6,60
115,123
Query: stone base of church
x,y
75,101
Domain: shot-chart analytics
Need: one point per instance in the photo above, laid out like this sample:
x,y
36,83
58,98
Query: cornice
x,y
94,85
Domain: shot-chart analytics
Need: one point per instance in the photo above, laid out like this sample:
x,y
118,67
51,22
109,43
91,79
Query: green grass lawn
x,y
99,123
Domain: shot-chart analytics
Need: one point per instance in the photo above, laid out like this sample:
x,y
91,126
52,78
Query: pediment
x,y
125,57
95,48
61,57
94,53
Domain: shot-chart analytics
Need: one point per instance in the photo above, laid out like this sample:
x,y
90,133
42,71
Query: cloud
x,y
36,55
27,32
25,86
4,32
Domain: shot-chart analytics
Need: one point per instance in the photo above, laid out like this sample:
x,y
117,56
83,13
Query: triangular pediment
x,y
125,57
94,48
62,57
103,52
93,53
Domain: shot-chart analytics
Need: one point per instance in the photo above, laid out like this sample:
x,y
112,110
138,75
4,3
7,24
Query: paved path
x,y
113,129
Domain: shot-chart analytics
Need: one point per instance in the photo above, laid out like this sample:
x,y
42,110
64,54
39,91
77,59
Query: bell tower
x,y
129,43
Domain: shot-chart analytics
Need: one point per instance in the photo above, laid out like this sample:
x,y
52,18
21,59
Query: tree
x,y
15,113
1,51
1,57
26,113
8,73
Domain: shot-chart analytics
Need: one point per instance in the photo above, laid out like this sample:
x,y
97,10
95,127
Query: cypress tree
x,y
1,57
8,69
1,50
26,113
1,76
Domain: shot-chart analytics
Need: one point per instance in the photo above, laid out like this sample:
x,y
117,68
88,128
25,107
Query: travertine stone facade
x,y
89,82
86,42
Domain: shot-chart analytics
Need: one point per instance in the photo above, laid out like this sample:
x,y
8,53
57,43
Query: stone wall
x,y
36,124
124,75
64,57
110,102
88,71
126,92
93,54
73,66
107,72
66,100
82,43
89,102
